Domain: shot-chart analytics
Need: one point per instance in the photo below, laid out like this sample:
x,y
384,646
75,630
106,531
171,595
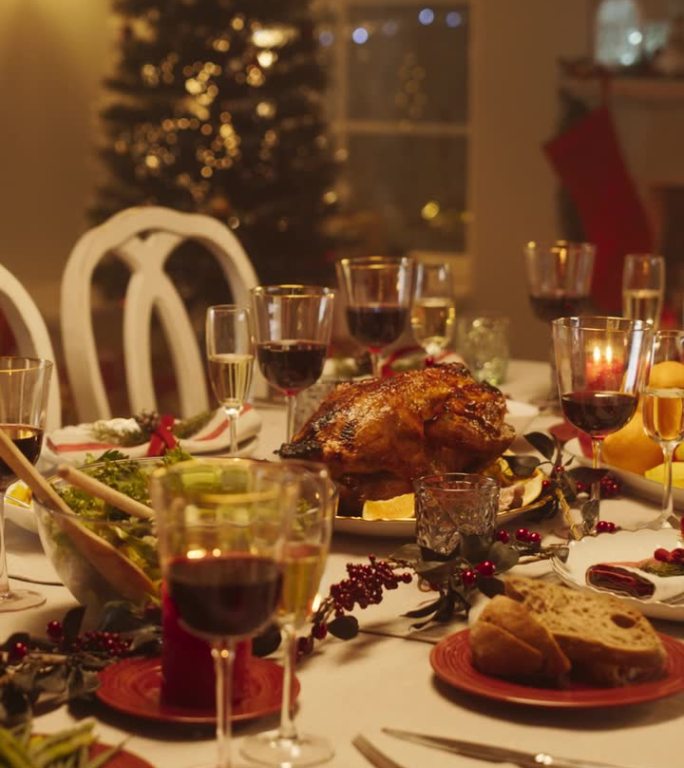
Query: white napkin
x,y
73,444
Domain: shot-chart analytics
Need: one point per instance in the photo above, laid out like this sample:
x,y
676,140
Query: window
x,y
399,113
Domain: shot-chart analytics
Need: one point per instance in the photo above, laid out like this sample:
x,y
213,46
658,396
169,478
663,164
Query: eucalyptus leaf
x,y
435,570
267,642
426,610
590,515
543,443
587,475
344,627
409,553
491,587
522,466
503,556
475,548
72,621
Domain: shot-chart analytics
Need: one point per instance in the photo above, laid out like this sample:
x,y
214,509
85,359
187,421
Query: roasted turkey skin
x,y
378,435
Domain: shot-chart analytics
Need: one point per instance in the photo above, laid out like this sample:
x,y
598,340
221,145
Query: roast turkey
x,y
378,435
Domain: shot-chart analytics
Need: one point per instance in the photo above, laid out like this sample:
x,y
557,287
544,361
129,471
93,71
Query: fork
x,y
373,754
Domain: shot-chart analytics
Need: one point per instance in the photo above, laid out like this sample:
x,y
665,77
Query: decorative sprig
x,y
147,422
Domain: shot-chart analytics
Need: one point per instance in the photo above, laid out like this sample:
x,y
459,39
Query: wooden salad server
x,y
126,578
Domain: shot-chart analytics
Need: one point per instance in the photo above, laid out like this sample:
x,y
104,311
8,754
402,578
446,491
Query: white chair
x,y
144,238
31,335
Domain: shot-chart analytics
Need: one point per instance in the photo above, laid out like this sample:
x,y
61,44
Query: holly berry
x,y
319,631
486,568
469,577
662,555
606,526
546,484
522,534
534,537
503,536
305,645
17,652
55,630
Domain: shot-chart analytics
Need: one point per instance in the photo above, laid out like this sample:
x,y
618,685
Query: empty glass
x,y
482,341
643,287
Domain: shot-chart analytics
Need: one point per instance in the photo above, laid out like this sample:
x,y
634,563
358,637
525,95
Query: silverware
x,y
373,754
495,754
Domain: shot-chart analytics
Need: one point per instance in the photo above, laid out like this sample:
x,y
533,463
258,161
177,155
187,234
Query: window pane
x,y
415,186
408,62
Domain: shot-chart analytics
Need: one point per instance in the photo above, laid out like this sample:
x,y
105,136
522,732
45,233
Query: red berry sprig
x,y
606,526
673,557
363,586
609,486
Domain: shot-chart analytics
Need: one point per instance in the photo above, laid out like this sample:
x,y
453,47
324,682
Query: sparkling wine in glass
x,y
293,324
559,284
643,287
24,389
378,291
223,525
230,355
601,363
433,311
663,410
306,551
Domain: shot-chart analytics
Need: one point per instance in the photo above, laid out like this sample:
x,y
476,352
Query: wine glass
x,y
433,311
306,551
663,410
24,389
559,283
230,354
643,287
601,364
378,291
222,526
293,325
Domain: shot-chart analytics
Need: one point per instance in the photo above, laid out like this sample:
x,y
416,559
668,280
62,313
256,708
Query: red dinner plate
x,y
133,686
452,663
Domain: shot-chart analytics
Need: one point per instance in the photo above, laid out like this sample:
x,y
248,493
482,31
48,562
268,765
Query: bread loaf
x,y
603,640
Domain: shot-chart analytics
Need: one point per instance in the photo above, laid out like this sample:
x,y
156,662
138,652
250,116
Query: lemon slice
x,y
658,474
532,487
398,508
19,492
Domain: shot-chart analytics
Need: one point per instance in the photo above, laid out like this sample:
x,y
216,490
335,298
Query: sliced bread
x,y
601,635
508,641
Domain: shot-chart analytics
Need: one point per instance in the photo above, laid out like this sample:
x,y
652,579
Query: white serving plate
x,y
638,484
625,546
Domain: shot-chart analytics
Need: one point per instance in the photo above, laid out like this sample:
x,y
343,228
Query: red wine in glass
x,y
377,325
598,413
28,440
548,307
291,365
227,596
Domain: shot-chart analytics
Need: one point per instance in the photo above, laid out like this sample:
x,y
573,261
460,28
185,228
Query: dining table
x,y
382,678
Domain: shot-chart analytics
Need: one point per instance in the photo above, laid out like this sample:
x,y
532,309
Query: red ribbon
x,y
162,438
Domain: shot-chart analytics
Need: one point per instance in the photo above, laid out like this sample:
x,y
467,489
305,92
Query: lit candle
x,y
604,370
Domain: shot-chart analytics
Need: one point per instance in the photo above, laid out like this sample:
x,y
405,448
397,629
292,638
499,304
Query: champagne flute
x,y
293,327
24,389
643,287
663,411
378,292
306,551
223,525
559,283
230,354
601,363
433,311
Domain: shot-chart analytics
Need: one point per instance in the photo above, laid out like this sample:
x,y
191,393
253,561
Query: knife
x,y
496,754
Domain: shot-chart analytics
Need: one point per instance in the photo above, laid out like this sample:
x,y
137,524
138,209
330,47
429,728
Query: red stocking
x,y
589,161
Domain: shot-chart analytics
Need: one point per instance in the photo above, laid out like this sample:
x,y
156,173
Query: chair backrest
x,y
31,335
144,238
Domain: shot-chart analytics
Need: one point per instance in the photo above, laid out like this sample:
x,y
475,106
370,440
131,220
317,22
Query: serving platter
x,y
406,527
451,661
626,547
638,484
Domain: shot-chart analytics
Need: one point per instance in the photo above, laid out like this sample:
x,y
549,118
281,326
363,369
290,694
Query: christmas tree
x,y
217,107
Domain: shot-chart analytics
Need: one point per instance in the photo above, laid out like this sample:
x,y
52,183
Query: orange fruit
x,y
630,448
669,373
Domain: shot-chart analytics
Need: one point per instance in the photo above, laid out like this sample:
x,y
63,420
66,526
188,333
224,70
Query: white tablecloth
x,y
359,686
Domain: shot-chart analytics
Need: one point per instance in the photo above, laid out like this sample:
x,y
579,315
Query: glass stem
x,y
553,382
375,362
288,729
232,415
289,428
668,505
223,653
596,464
4,575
